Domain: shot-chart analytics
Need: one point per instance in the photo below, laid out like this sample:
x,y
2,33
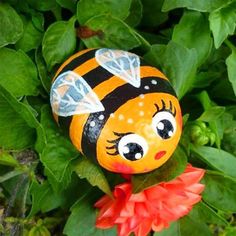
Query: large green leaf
x,y
111,32
185,227
11,25
68,4
177,62
18,73
223,23
43,198
135,14
217,158
83,216
171,169
231,68
57,154
59,42
152,13
18,123
31,38
204,6
43,5
220,191
87,9
193,32
93,173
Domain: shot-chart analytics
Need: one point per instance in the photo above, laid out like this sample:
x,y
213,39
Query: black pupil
x,y
133,151
165,129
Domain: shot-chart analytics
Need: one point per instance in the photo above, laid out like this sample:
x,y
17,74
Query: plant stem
x,y
230,45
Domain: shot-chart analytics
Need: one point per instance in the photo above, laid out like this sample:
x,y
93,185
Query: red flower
x,y
153,208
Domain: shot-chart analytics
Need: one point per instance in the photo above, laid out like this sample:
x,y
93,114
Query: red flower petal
x,y
153,208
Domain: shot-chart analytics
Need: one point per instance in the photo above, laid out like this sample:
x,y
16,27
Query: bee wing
x,y
123,64
70,94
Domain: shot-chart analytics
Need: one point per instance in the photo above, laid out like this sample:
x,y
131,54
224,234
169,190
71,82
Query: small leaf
x,y
231,68
18,73
223,22
177,62
220,191
211,114
7,159
171,169
217,158
68,4
204,6
85,12
11,25
93,173
111,33
59,42
193,32
31,38
43,5
43,198
82,218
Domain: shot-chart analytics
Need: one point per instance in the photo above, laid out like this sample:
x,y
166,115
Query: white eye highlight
x,y
132,147
164,124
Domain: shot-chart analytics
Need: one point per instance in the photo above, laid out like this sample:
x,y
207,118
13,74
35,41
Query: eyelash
x,y
171,108
115,142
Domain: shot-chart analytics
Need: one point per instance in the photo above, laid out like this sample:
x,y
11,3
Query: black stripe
x,y
97,76
79,61
112,102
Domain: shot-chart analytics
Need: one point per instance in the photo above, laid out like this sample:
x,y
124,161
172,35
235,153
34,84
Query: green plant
x,y
44,185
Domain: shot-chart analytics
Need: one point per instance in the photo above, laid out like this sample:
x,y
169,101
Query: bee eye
x,y
132,147
164,124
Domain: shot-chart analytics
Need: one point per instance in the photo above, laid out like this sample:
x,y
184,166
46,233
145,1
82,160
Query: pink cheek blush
x,y
122,168
159,155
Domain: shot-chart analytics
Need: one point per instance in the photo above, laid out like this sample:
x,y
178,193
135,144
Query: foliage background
x,y
45,185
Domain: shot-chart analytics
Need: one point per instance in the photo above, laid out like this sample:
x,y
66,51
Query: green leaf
x,y
170,170
177,62
87,9
43,198
211,114
82,218
7,159
135,14
230,231
68,4
220,191
31,38
17,133
193,32
152,13
203,212
217,158
111,33
204,6
223,22
231,68
43,5
11,25
20,132
59,42
184,227
18,73
42,70
93,173
56,158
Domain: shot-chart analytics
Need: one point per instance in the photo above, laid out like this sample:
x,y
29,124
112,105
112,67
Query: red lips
x,y
159,155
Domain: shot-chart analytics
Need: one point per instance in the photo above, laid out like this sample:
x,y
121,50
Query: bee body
x,y
110,102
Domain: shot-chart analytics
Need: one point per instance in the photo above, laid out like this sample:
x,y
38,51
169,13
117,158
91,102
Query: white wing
x,y
70,94
123,64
